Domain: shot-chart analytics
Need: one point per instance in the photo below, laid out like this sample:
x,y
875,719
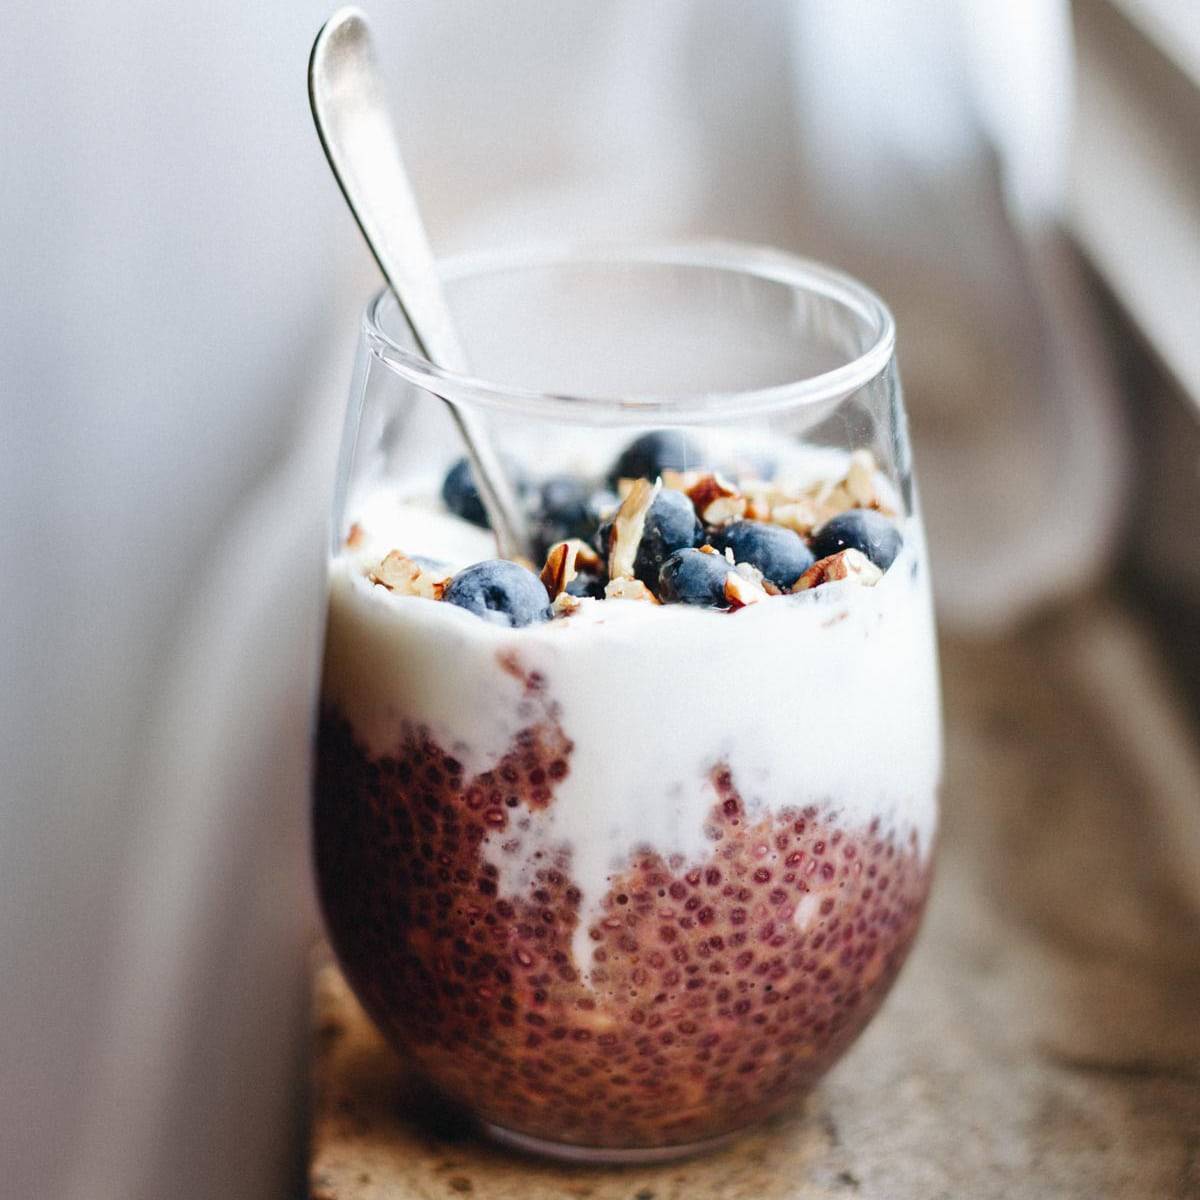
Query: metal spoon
x,y
346,93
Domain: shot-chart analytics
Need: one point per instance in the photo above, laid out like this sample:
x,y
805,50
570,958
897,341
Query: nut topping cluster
x,y
673,534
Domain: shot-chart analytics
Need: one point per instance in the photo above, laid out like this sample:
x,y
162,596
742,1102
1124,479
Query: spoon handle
x,y
345,90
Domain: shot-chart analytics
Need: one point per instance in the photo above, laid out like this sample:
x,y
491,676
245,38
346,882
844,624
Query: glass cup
x,y
623,877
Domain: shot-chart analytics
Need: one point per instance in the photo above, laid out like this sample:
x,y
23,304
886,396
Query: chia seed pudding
x,y
623,856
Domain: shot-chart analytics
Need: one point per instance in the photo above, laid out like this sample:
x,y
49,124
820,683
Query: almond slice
x,y
629,524
564,561
560,568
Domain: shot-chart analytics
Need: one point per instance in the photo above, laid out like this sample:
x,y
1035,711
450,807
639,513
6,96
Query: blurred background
x,y
181,292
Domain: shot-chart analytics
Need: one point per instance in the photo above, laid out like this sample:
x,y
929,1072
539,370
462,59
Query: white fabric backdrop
x,y
178,312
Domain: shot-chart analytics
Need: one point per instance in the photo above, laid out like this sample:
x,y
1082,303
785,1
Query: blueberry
x,y
565,512
671,525
501,592
693,577
860,529
778,553
565,500
648,456
461,496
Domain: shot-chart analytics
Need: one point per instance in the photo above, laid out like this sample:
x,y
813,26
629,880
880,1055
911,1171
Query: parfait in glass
x,y
622,845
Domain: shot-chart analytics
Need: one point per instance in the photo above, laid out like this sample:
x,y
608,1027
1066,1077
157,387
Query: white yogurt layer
x,y
829,698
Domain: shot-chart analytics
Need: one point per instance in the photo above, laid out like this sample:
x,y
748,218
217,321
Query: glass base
x,y
602,1156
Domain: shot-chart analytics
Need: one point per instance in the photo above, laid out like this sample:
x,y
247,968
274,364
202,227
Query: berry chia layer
x,y
627,858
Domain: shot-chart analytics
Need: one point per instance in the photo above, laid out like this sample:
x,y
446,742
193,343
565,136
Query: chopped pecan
x,y
741,589
681,481
856,489
356,536
753,574
565,604
746,570
628,589
760,495
831,499
723,510
801,516
405,577
845,564
704,489
859,482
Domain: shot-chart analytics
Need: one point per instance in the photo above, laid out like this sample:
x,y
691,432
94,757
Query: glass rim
x,y
764,262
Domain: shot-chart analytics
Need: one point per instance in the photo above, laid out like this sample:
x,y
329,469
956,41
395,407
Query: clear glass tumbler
x,y
624,858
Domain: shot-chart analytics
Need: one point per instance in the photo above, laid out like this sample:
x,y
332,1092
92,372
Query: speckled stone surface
x,y
1044,1039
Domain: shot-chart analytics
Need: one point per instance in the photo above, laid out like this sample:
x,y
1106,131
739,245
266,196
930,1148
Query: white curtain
x,y
178,314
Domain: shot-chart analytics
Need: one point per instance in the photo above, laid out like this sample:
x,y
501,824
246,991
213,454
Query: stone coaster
x,y
1044,1038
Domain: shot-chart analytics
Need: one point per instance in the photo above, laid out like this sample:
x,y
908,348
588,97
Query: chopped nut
x,y
723,510
681,481
751,573
565,604
716,500
564,560
560,568
741,590
586,558
355,537
628,589
801,516
746,570
405,577
759,497
856,489
704,489
860,478
845,564
831,499
629,524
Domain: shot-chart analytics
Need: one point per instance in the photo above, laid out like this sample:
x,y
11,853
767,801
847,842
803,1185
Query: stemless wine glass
x,y
628,879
